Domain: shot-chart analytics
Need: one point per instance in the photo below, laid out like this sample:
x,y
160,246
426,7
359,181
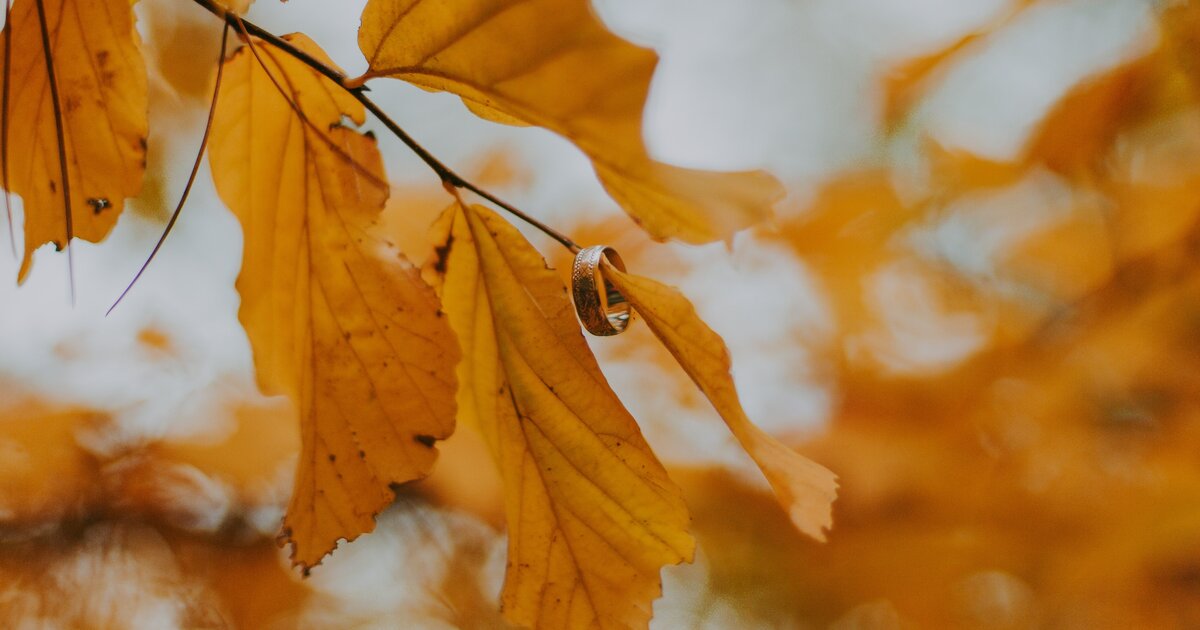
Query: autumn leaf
x,y
804,488
338,321
552,64
592,514
465,300
100,82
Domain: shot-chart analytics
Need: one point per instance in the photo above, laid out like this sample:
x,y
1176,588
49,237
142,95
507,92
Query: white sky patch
x,y
974,232
990,101
689,602
407,569
806,70
915,331
76,354
765,305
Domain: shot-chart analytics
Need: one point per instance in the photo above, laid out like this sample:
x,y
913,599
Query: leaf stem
x,y
359,92
62,143
12,235
187,188
290,97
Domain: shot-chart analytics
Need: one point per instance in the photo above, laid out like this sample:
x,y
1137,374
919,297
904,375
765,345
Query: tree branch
x,y
359,92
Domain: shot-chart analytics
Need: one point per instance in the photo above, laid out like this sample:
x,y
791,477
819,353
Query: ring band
x,y
603,312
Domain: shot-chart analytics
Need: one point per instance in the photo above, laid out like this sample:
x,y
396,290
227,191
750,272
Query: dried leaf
x,y
804,488
101,83
592,514
553,64
338,322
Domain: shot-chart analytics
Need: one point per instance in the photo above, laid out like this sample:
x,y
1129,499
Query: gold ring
x,y
603,312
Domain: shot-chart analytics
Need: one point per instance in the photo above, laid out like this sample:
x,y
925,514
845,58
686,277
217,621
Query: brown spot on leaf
x,y
442,255
98,204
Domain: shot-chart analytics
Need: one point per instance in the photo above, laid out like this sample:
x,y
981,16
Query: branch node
x,y
357,83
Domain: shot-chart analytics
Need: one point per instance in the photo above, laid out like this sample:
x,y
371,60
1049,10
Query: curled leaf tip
x,y
805,489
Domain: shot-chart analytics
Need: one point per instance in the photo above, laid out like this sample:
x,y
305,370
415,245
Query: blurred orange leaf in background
x,y
805,488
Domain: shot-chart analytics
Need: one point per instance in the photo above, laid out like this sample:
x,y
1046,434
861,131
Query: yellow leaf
x,y
592,514
806,489
338,322
551,63
465,300
101,85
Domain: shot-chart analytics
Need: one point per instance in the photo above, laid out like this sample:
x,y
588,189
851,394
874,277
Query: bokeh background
x,y
978,305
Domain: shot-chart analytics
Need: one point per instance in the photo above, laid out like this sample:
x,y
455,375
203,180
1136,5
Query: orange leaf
x,y
551,63
804,488
338,321
101,86
592,514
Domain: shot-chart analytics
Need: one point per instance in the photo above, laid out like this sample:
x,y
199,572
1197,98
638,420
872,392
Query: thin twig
x,y
12,235
62,143
187,188
445,173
